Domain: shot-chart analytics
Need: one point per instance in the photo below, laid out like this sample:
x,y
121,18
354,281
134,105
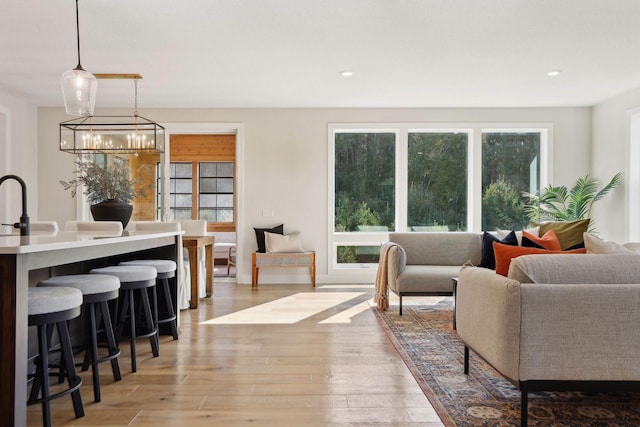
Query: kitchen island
x,y
22,259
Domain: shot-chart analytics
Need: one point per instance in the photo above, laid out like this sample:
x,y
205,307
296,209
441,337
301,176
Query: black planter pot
x,y
110,210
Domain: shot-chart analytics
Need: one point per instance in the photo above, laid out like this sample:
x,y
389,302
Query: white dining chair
x,y
100,228
184,288
40,228
197,227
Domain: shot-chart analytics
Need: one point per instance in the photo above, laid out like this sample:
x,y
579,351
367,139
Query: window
x,y
216,192
510,167
180,190
424,178
213,199
365,181
202,179
437,181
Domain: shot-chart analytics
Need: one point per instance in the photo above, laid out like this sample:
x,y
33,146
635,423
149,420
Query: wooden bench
x,y
288,259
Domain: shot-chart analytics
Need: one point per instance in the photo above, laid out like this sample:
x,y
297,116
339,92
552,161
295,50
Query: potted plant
x,y
109,188
563,204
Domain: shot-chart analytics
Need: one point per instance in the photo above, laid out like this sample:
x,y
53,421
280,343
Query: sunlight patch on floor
x,y
291,309
347,286
346,315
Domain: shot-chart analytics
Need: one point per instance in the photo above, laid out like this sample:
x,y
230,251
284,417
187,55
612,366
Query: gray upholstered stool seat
x,y
49,308
97,290
136,278
128,274
165,269
48,301
162,266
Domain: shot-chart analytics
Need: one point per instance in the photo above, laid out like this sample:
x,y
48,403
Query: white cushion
x,y
87,283
596,245
633,246
283,243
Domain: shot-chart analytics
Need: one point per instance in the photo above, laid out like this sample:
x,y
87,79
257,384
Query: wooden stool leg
x,y
111,342
169,304
43,368
73,378
93,351
146,306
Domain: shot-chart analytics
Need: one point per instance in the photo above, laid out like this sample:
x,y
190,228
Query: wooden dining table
x,y
192,243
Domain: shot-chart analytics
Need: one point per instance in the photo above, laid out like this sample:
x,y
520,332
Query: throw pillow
x,y
633,247
488,257
283,243
576,246
569,233
505,253
278,229
596,245
548,241
533,230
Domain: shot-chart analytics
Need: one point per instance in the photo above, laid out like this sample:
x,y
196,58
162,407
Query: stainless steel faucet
x,y
23,225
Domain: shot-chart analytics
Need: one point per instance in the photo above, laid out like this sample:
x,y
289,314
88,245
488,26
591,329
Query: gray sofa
x,y
568,322
424,263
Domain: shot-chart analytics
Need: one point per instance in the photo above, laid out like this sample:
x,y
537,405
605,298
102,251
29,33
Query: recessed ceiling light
x,y
554,73
346,73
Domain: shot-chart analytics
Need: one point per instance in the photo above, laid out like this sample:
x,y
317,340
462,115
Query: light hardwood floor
x,y
284,355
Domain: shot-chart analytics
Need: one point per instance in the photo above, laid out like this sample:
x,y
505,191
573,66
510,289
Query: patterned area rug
x,y
433,352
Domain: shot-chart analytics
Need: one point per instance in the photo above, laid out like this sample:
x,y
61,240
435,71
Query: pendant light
x,y
79,86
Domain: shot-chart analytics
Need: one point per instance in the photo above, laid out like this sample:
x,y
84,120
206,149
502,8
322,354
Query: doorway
x,y
216,178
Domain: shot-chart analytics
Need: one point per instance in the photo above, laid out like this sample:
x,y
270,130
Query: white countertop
x,y
16,244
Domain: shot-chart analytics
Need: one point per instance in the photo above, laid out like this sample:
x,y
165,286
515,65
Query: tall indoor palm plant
x,y
563,204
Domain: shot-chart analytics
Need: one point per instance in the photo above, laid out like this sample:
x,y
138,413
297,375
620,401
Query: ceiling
x,y
289,53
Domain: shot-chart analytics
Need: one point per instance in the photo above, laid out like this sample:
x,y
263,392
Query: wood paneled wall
x,y
203,148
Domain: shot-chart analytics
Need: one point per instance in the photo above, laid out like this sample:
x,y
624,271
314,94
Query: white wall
x,y
18,148
285,164
610,154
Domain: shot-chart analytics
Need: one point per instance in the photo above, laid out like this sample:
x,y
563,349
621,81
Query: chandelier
x,y
112,134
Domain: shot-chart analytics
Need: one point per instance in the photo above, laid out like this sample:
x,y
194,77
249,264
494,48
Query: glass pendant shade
x,y
79,89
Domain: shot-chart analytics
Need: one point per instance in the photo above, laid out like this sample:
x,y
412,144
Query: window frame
x,y
195,194
402,130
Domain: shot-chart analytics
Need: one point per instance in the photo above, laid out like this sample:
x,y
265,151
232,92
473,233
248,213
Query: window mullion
x,y
474,188
402,166
195,190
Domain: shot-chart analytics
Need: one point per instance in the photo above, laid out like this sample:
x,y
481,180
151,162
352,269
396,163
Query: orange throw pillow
x,y
505,253
548,241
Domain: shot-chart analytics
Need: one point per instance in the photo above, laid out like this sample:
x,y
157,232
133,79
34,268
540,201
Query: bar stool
x,y
49,308
96,290
141,279
165,270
